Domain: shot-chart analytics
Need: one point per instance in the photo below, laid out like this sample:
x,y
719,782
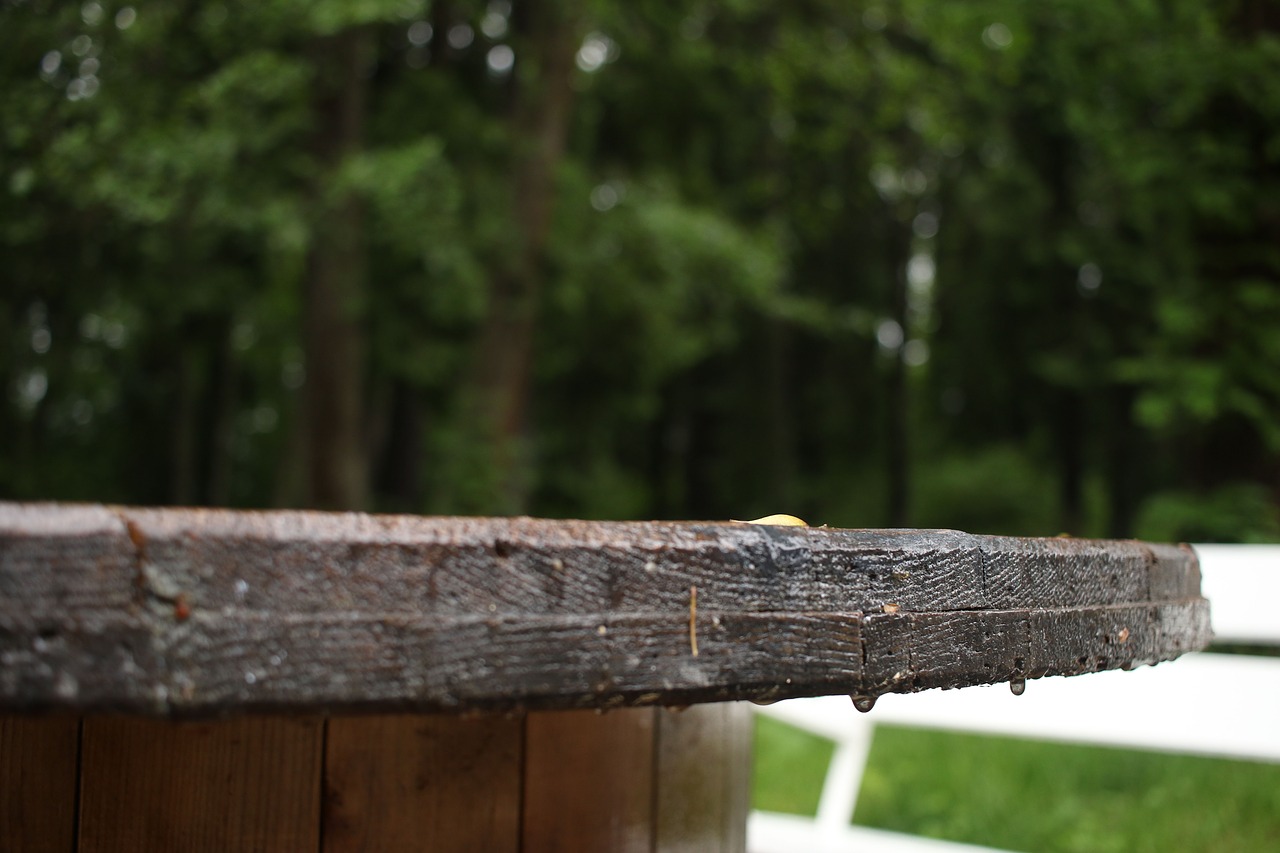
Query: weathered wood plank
x,y
64,561
38,783
1066,572
588,782
948,648
307,562
703,779
189,612
502,663
250,784
422,782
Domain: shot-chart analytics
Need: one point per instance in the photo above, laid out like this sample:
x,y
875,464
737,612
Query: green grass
x,y
1032,796
789,768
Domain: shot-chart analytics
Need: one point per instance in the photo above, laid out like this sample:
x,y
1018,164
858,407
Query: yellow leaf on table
x,y
779,520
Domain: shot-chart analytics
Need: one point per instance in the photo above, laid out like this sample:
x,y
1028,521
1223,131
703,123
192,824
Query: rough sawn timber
x,y
182,612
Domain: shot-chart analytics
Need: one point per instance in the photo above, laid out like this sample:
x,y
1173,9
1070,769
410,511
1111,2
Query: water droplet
x,y
241,588
763,701
1017,686
676,709
250,677
650,567
275,660
863,703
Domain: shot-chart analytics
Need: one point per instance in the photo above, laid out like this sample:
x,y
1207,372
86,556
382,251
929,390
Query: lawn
x,y
1032,796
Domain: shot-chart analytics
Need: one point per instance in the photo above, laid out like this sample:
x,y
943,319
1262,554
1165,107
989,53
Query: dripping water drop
x,y
1018,686
863,703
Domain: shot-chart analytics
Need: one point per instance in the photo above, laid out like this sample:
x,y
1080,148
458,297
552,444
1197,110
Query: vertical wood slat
x,y
703,779
422,782
38,783
630,780
248,784
588,781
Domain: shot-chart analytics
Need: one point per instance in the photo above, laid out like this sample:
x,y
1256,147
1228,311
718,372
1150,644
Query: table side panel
x,y
245,784
38,758
422,782
589,781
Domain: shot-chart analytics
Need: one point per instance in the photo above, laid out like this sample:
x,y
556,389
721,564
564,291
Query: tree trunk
x,y
399,470
546,41
185,422
1124,463
782,432
899,405
222,416
333,316
1068,433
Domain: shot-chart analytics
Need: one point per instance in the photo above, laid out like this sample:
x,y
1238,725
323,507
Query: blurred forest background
x,y
1003,266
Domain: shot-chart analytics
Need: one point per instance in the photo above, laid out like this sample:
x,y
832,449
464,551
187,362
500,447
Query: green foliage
x,y
325,17
997,490
1238,512
659,282
1067,209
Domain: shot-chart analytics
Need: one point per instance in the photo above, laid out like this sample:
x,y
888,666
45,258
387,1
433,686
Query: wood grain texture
x,y
38,783
703,779
588,782
248,784
422,782
197,612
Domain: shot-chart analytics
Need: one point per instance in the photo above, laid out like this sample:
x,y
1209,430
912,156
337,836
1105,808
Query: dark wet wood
x,y
38,783
589,781
251,784
422,782
197,612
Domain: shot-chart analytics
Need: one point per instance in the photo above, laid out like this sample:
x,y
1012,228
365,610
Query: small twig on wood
x,y
693,620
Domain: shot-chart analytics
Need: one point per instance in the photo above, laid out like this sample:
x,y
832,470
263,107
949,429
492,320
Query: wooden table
x,y
209,679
